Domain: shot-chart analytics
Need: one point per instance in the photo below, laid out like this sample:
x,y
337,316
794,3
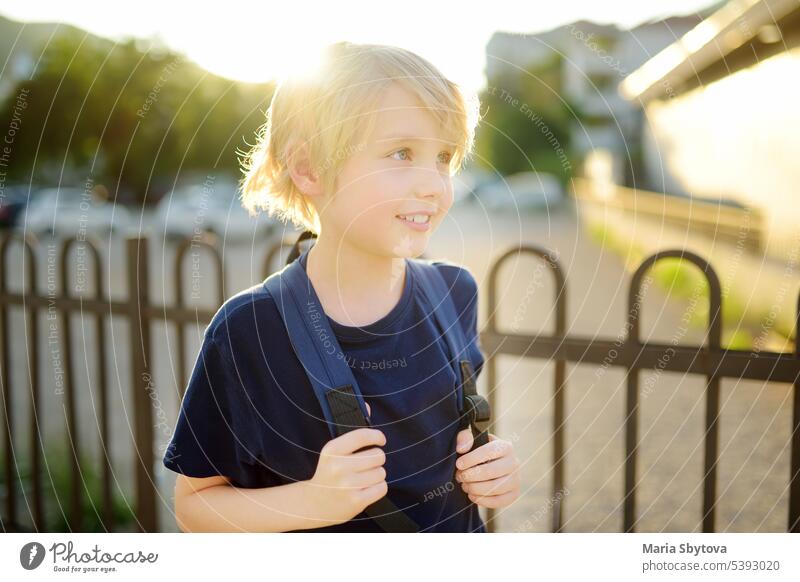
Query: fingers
x,y
360,461
371,494
366,460
367,478
489,470
354,440
464,440
497,486
494,501
494,449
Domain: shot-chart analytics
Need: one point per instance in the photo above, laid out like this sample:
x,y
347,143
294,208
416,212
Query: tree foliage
x,y
126,117
525,123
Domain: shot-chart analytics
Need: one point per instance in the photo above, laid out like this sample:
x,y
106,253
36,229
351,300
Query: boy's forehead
x,y
407,124
401,115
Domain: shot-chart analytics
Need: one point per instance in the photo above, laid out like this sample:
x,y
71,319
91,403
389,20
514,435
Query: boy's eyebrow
x,y
401,137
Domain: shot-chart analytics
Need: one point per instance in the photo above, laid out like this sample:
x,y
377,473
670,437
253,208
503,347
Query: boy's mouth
x,y
416,218
418,222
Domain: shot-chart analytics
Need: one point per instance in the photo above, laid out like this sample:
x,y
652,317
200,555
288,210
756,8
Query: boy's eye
x,y
402,151
404,155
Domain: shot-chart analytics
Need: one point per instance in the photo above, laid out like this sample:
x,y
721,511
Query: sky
x,y
257,41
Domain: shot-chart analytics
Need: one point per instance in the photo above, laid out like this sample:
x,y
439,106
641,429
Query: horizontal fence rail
x,y
140,313
631,354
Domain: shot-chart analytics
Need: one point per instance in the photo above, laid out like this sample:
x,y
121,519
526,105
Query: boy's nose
x,y
431,185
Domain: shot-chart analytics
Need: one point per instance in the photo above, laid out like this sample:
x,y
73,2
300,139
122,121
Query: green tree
x,y
525,122
121,115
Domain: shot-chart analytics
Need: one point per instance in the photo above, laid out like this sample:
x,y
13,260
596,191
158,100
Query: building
x,y
722,115
594,59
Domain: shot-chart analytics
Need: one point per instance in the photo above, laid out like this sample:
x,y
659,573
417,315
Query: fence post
x,y
139,318
794,470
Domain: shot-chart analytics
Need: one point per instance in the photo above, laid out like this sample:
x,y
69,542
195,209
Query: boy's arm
x,y
349,477
211,504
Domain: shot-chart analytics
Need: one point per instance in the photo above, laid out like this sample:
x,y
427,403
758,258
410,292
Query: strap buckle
x,y
476,410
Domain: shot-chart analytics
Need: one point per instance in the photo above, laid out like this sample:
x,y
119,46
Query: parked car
x,y
467,182
12,203
209,207
72,211
524,190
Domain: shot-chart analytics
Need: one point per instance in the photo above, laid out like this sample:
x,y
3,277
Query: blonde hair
x,y
329,110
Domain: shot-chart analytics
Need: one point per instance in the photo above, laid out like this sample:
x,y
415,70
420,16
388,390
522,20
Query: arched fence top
x,y
560,348
715,294
797,328
90,243
29,242
274,252
554,266
209,242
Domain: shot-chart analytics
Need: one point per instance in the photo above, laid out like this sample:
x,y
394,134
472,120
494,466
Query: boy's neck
x,y
355,287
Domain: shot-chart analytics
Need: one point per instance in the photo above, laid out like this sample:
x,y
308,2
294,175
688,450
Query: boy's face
x,y
399,174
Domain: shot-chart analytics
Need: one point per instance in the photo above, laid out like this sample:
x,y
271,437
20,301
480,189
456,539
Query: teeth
x,y
418,218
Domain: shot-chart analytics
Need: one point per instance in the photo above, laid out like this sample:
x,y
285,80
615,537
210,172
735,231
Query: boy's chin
x,y
410,247
409,255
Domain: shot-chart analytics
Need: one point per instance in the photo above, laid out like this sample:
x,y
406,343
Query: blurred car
x,y
12,203
524,190
467,182
214,208
73,211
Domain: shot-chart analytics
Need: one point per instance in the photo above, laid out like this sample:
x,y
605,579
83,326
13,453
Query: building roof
x,y
738,35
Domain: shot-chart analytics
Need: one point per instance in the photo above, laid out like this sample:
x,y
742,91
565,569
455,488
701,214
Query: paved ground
x,y
755,417
755,424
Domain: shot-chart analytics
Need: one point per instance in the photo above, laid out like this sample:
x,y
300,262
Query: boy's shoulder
x,y
241,312
460,282
458,278
250,309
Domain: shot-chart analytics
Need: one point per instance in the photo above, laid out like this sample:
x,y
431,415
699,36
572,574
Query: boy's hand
x,y
489,475
346,482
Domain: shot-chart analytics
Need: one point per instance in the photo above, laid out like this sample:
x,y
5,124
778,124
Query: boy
x,y
362,154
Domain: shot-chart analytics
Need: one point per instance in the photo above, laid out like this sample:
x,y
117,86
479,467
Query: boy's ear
x,y
303,174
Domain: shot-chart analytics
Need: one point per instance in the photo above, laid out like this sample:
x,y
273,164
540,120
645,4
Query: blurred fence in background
x,y
709,360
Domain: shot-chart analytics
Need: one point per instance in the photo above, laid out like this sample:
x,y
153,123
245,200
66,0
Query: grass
x,y
681,279
56,469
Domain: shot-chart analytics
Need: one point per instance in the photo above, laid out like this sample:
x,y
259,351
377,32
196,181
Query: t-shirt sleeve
x,y
464,291
208,438
469,317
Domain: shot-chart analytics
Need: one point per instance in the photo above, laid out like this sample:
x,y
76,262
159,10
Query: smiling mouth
x,y
415,218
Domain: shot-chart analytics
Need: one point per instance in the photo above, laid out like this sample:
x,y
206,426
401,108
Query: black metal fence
x,y
710,360
140,313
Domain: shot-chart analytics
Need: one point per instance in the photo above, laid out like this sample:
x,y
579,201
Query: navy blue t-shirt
x,y
249,411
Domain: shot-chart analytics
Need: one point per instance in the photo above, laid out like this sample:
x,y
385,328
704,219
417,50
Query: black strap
x,y
348,416
476,410
295,252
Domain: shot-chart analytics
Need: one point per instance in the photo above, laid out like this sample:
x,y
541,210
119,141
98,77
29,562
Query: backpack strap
x,y
314,343
331,378
474,409
295,251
